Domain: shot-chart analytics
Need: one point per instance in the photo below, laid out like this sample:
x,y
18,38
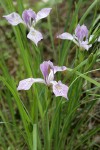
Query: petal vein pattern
x,y
27,83
43,13
34,36
60,89
14,18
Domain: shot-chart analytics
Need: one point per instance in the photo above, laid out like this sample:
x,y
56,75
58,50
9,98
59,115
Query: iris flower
x,y
29,19
80,37
48,70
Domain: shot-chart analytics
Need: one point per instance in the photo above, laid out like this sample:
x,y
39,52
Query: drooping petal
x,y
60,89
81,32
44,67
27,15
27,83
14,18
65,35
43,13
34,35
85,45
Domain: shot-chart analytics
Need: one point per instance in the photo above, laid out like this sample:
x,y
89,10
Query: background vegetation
x,y
36,119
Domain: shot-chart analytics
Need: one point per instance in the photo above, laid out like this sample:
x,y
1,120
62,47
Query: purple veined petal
x,y
60,89
85,45
50,63
27,15
77,30
43,13
57,68
44,67
13,18
34,36
81,32
27,83
65,36
51,66
84,31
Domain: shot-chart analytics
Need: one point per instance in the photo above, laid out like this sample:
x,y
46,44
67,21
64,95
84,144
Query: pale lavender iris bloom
x,y
48,70
29,19
80,37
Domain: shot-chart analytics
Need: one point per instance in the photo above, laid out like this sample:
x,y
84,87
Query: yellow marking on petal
x,y
33,33
58,87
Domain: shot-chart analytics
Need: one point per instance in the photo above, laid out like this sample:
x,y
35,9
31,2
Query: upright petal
x,y
14,18
81,32
85,45
27,83
84,31
66,36
27,15
44,67
60,89
77,30
43,13
34,35
50,77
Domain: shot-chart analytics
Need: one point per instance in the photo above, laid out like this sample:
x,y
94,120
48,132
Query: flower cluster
x,y
29,19
48,70
80,38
